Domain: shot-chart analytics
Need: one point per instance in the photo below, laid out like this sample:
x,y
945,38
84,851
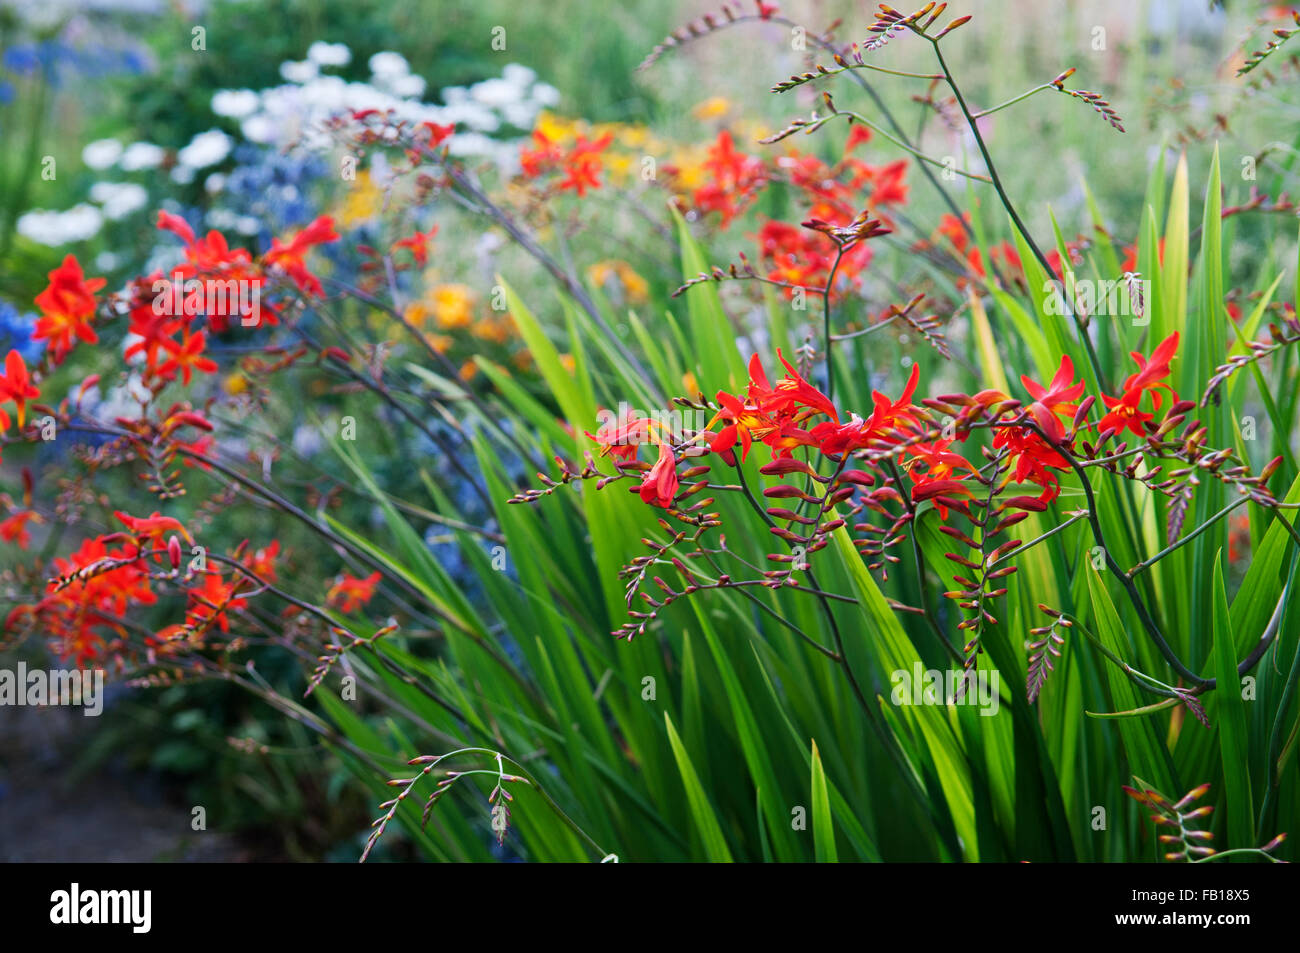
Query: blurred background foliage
x,y
76,73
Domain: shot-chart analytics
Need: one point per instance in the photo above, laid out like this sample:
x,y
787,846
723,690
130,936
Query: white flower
x,y
410,86
329,54
235,103
299,72
205,149
141,155
122,400
222,219
544,94
520,76
495,92
101,153
260,129
307,441
119,199
388,65
214,183
61,228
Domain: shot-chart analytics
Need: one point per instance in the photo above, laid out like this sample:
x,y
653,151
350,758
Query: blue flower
x,y
16,333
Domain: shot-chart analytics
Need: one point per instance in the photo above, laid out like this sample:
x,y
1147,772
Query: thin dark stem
x,y
1086,340
826,323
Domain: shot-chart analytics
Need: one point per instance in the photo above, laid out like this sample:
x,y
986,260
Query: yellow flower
x,y
235,383
363,202
490,329
711,108
690,167
635,288
417,313
453,305
558,129
748,130
468,370
619,166
439,342
634,137
568,363
690,383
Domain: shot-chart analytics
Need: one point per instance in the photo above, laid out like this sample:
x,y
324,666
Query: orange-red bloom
x,y
581,163
1053,401
417,244
151,528
937,472
888,420
660,483
290,256
187,357
67,309
14,527
83,615
210,602
16,385
349,593
770,414
1125,412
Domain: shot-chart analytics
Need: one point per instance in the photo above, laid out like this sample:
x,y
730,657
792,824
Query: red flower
x,y
1035,459
770,414
210,603
16,385
153,327
858,135
14,527
177,226
934,470
187,357
79,615
262,562
798,257
744,422
1131,256
621,442
152,528
1151,373
1125,412
350,593
736,179
889,187
581,164
792,393
1054,399
67,307
212,258
438,134
887,421
290,256
418,245
660,483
